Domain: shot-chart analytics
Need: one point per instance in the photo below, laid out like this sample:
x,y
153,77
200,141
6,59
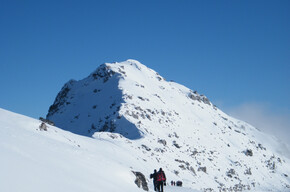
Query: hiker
x,y
154,177
161,180
179,183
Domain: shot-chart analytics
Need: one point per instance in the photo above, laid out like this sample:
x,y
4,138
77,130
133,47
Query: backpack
x,y
160,176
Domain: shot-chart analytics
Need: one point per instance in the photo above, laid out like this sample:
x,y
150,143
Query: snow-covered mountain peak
x,y
115,96
170,126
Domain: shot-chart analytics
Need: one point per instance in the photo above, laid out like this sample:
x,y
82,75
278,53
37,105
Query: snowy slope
x,y
56,160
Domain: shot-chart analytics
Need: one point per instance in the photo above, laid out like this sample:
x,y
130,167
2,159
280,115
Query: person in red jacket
x,y
161,180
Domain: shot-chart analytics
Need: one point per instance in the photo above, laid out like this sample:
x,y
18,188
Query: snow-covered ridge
x,y
168,125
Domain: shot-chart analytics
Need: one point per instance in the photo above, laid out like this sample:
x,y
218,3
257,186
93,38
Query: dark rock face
x,y
46,121
61,99
103,72
43,126
162,141
141,181
230,173
201,98
202,169
249,152
92,105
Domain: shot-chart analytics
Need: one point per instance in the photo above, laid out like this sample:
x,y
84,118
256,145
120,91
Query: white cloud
x,y
265,119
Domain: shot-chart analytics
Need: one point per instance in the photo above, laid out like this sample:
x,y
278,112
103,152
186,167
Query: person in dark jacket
x,y
154,177
161,180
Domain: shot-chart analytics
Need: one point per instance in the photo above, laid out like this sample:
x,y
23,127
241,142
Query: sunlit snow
x,y
125,117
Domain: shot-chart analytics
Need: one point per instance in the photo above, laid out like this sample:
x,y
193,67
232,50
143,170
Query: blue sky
x,y
237,53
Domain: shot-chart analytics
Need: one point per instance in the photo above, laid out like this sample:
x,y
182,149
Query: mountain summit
x,y
126,98
171,126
